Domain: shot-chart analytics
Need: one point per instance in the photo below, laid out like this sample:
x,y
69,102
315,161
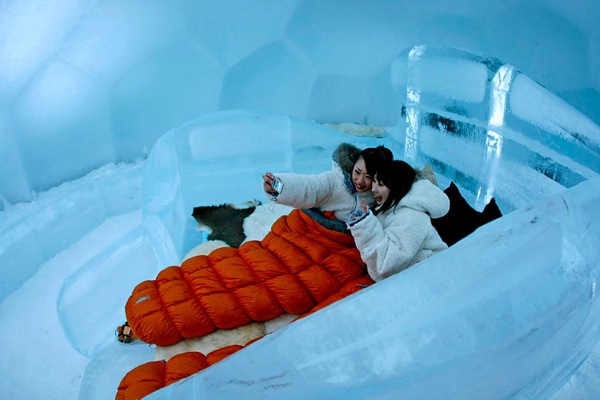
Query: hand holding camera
x,y
272,184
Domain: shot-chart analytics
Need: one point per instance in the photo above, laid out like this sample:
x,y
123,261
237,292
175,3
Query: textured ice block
x,y
489,127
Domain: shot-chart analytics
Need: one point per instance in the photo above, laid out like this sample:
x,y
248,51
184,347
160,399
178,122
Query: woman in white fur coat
x,y
341,190
397,233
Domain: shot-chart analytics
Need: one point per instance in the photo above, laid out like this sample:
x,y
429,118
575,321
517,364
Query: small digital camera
x,y
277,185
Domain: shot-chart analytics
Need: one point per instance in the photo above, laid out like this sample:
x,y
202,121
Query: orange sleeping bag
x,y
298,265
154,375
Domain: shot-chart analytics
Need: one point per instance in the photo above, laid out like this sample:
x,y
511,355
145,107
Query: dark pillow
x,y
462,219
491,211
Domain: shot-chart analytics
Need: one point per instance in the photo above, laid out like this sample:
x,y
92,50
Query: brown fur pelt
x,y
225,221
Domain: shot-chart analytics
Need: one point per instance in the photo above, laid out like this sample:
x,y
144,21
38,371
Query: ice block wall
x,y
489,127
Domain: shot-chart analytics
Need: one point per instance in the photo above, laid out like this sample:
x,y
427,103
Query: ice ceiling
x,y
86,82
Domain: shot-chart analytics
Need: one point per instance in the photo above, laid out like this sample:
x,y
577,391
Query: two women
x,y
298,268
387,211
341,190
397,233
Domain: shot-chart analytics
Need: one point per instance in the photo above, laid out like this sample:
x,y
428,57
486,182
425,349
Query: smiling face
x,y
380,191
362,180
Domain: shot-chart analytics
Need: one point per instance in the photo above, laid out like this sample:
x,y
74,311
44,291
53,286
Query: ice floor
x,y
39,362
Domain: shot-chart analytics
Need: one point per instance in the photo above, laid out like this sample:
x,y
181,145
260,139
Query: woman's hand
x,y
359,214
268,179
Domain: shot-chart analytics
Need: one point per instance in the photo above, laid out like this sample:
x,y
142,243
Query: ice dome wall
x,y
86,82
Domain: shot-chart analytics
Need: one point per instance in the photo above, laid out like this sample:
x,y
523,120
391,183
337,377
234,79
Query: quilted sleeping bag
x,y
297,266
154,375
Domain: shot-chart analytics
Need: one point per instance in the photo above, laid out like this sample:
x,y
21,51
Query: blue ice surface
x,y
86,83
510,311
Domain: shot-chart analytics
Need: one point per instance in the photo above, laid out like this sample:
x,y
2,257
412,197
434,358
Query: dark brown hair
x,y
375,158
397,176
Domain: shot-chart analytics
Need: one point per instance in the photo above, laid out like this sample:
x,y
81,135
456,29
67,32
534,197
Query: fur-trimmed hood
x,y
426,197
345,155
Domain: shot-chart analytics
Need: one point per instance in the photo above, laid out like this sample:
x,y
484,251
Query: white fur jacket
x,y
402,236
329,191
